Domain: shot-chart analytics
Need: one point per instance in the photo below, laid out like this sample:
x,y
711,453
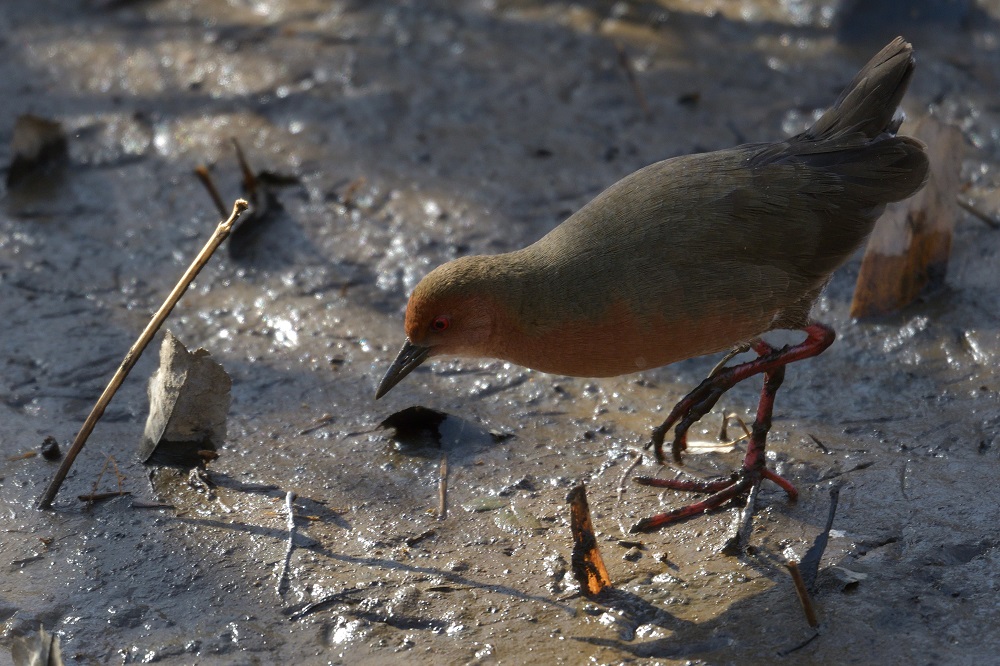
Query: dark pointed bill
x,y
408,358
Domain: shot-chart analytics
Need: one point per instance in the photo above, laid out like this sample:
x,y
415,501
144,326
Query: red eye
x,y
440,323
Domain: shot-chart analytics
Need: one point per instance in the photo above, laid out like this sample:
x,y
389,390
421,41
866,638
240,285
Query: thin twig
x,y
796,648
22,456
628,471
97,482
327,601
97,497
221,233
626,65
290,526
347,198
980,215
321,422
249,179
206,179
730,355
818,443
724,431
804,598
443,488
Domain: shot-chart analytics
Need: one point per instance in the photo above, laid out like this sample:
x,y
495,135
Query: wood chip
x,y
588,567
908,251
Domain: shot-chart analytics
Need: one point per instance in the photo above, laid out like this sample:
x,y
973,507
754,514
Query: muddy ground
x,y
418,132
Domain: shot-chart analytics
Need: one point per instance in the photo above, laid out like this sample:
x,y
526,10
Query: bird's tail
x,y
868,105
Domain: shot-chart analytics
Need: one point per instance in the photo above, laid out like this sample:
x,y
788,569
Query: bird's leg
x,y
771,362
740,483
700,401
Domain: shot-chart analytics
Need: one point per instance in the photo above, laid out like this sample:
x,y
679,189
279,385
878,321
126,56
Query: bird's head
x,y
451,312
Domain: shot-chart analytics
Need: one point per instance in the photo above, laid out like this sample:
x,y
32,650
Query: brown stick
x,y
249,179
97,497
221,233
980,215
908,250
804,598
206,179
97,482
626,64
588,566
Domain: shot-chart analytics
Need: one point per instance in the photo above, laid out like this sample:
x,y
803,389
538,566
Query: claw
x,y
771,363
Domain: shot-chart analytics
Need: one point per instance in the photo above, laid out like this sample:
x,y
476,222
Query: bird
x,y
693,255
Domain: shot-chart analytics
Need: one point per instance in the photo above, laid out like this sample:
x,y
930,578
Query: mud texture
x,y
417,132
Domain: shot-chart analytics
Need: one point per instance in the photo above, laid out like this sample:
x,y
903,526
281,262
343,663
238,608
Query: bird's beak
x,y
409,357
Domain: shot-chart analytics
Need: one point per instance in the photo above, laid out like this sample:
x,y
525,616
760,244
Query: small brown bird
x,y
689,256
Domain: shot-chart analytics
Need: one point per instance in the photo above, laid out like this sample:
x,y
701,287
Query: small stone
x,y
50,449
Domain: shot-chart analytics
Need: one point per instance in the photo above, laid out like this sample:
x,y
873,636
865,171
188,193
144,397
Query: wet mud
x,y
410,133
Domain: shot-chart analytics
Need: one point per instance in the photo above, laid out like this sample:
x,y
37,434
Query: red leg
x,y
700,401
653,523
691,485
772,363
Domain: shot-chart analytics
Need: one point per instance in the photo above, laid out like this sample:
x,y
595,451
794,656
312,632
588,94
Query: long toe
x,y
725,490
735,489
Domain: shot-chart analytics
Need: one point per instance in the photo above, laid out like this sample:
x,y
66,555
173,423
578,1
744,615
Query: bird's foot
x,y
726,489
701,400
747,480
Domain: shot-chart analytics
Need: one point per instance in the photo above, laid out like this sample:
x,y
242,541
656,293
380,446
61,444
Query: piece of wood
x,y
908,251
588,567
189,399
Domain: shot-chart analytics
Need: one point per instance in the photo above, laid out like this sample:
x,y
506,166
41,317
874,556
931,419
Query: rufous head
x,y
451,311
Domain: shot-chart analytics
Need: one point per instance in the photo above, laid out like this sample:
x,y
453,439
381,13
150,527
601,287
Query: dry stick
x,y
221,233
980,215
97,497
97,481
290,525
626,65
206,179
443,488
321,422
738,535
724,431
628,472
249,179
347,198
820,444
804,598
22,456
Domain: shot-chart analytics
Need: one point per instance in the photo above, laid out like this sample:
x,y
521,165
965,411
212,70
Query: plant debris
x,y
800,589
189,398
40,650
588,567
37,144
50,448
908,252
416,426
